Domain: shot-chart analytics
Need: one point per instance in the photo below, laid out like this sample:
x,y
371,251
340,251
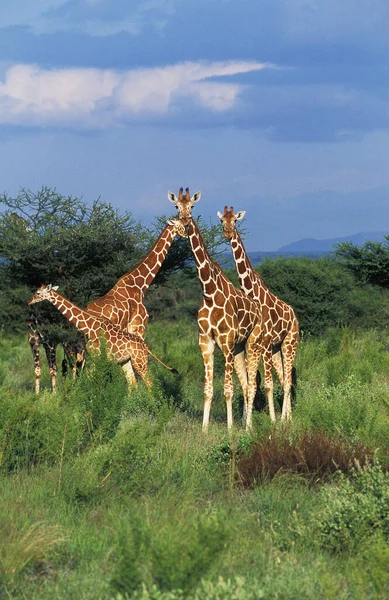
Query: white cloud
x,y
30,95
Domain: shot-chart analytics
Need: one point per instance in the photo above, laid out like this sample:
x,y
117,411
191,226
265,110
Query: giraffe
x,y
121,345
228,318
123,305
281,329
74,353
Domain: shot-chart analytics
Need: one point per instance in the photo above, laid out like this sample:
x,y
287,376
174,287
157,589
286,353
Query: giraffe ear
x,y
172,197
240,214
171,222
219,214
196,197
55,287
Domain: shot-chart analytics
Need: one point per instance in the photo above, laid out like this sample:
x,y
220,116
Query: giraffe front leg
x,y
229,387
37,366
254,351
51,355
207,348
241,371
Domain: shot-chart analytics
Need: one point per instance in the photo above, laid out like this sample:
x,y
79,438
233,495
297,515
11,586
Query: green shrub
x,y
101,393
178,554
356,509
36,430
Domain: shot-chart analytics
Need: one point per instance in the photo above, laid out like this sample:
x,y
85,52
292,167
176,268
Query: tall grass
x,y
116,493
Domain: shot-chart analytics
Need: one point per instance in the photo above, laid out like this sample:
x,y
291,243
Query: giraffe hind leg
x,y
289,347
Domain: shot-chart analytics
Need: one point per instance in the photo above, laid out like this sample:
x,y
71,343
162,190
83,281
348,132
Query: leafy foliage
x,y
369,263
324,294
358,508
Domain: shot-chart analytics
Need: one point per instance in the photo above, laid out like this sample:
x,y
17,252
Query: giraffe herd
x,y
247,324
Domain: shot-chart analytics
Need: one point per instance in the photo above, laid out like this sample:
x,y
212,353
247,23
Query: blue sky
x,y
276,107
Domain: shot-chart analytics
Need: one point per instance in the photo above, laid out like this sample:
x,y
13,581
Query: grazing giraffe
x,y
228,318
281,329
121,345
123,305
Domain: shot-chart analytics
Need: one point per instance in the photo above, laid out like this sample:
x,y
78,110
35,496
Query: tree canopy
x,y
369,263
84,248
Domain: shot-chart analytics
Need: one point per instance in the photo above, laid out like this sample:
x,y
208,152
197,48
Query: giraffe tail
x,y
172,369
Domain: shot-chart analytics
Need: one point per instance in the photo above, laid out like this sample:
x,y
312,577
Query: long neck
x,y
204,264
248,278
145,271
76,315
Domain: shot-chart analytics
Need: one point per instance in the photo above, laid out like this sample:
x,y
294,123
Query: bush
x,y
177,555
356,509
313,455
101,393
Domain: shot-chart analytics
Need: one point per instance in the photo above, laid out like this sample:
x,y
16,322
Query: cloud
x,y
100,97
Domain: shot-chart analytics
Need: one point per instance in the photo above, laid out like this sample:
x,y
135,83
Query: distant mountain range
x,y
313,247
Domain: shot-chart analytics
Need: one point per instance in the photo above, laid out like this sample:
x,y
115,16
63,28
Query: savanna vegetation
x,y
108,493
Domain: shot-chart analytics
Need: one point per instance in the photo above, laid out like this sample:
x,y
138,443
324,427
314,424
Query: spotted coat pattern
x,y
124,305
281,330
121,345
228,318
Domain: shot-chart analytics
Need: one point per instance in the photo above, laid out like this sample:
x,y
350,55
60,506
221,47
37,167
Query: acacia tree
x,y
49,238
369,263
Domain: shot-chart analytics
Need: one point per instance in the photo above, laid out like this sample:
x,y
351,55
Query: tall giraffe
x,y
121,345
123,305
281,329
228,318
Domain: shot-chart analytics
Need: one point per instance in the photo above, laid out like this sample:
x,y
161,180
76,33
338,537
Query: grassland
x,y
107,494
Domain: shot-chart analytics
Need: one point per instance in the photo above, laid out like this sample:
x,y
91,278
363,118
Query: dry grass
x,y
27,547
314,455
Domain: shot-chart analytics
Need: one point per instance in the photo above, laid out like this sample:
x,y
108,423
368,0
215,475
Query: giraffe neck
x,y
145,271
206,267
76,315
248,278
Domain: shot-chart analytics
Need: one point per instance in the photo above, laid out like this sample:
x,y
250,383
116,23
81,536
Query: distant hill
x,y
312,246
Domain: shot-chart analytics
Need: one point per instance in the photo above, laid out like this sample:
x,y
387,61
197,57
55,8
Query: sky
x,y
276,107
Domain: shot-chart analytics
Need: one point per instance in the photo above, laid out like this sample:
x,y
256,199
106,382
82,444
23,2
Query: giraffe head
x,y
184,204
229,218
43,293
179,227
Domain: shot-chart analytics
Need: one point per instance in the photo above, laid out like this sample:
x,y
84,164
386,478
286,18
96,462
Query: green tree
x,y
49,238
324,294
369,263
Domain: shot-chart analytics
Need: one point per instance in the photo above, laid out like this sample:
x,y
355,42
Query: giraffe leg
x,y
51,355
254,351
228,386
37,363
207,348
278,366
289,347
241,371
267,365
129,373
